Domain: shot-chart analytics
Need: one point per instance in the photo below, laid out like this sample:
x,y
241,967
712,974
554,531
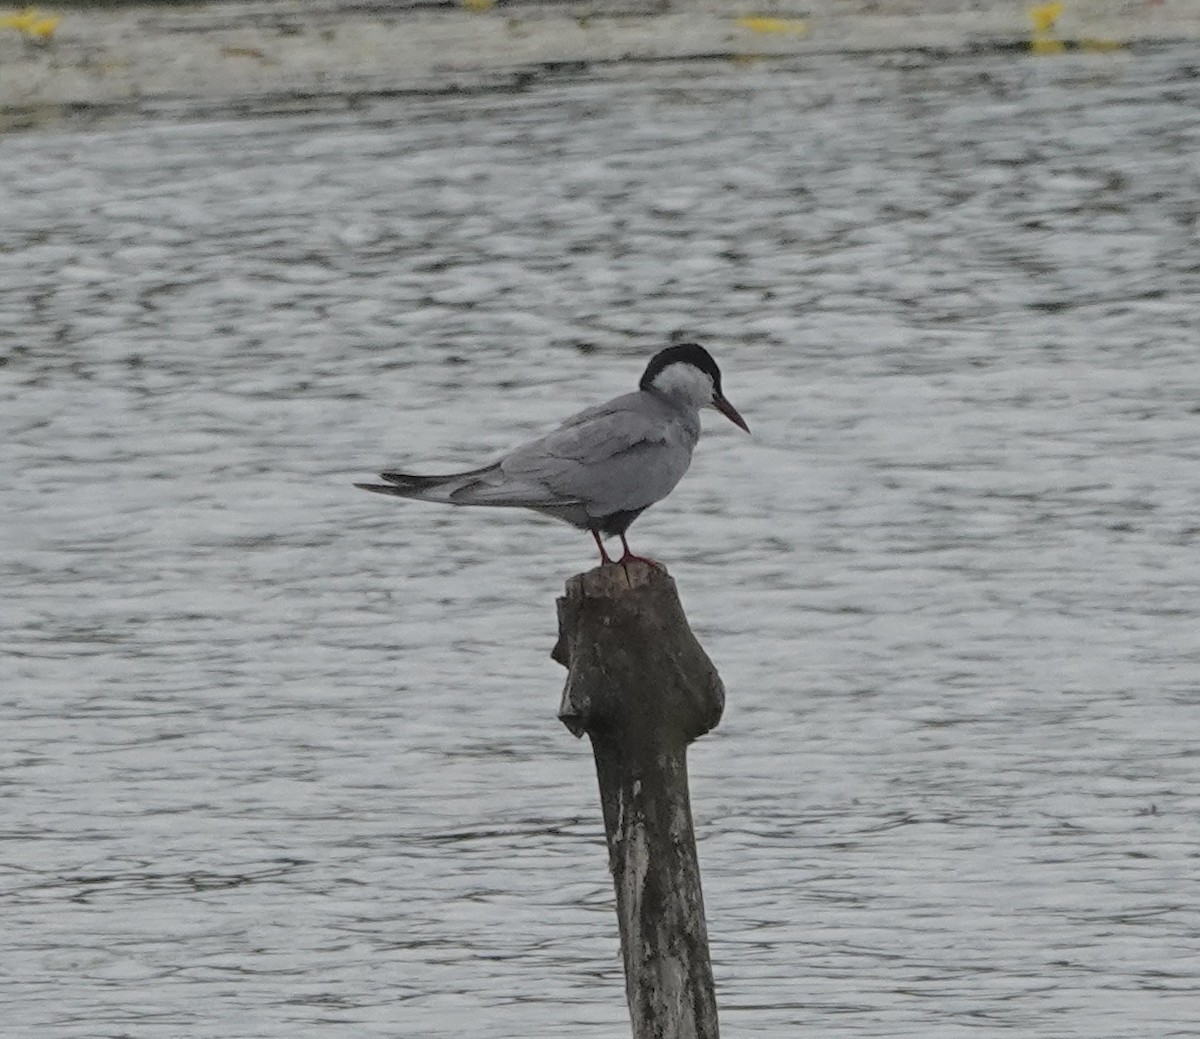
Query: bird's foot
x,y
629,557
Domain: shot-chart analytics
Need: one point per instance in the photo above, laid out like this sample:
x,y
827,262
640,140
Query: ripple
x,y
282,756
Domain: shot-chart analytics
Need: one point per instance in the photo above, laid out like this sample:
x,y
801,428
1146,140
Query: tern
x,y
603,467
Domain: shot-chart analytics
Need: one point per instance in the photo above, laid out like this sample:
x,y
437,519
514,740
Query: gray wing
x,y
623,455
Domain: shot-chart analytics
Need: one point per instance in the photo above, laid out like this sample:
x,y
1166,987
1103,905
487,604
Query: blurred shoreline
x,y
299,54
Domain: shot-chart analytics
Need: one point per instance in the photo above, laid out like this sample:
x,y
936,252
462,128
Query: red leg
x,y
605,558
630,557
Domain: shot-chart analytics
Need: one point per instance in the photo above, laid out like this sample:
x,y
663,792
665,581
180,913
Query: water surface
x,y
281,758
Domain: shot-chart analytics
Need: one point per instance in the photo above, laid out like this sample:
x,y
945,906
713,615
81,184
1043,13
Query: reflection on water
x,y
280,755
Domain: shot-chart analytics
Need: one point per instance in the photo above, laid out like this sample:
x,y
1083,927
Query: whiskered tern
x,y
603,467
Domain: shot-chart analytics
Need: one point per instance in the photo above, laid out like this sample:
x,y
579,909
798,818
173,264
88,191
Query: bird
x,y
603,467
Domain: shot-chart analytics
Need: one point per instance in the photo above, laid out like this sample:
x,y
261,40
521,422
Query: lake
x,y
281,757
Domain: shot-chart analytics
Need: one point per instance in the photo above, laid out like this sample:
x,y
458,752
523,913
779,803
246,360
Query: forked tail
x,y
446,488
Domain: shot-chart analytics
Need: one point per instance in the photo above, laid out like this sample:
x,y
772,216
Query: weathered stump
x,y
642,688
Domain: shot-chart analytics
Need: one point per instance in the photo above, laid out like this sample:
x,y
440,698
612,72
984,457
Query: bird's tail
x,y
450,488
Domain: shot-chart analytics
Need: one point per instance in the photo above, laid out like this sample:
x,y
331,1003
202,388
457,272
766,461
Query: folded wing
x,y
622,456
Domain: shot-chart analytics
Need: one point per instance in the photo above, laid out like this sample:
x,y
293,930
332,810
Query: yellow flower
x,y
1044,17
785,26
44,28
32,22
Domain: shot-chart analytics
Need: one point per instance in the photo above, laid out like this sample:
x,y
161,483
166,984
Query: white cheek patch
x,y
685,381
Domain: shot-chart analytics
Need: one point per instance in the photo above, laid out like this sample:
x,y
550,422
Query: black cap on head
x,y
686,353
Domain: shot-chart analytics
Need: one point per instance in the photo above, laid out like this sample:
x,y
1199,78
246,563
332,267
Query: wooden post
x,y
642,689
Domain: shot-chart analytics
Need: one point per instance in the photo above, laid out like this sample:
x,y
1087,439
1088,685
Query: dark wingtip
x,y
412,481
378,488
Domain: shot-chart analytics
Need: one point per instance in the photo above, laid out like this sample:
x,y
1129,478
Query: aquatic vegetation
x,y
1046,40
32,24
783,26
1044,18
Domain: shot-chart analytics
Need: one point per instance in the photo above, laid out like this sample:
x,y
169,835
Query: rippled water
x,y
281,758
